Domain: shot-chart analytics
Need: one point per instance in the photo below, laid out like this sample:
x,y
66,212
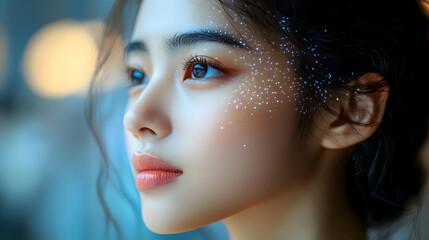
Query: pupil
x,y
199,70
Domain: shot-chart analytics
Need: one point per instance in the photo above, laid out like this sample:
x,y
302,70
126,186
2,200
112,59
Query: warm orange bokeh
x,y
60,59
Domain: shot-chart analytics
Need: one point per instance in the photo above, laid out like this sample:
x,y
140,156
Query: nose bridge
x,y
149,114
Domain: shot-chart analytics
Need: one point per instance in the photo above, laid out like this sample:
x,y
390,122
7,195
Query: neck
x,y
317,208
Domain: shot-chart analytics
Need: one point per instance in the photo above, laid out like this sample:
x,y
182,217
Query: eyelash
x,y
192,60
187,65
129,75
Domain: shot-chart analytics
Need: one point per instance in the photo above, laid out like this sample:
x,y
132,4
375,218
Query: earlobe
x,y
360,112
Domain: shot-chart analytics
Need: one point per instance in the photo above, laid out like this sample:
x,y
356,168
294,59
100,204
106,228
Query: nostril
x,y
145,129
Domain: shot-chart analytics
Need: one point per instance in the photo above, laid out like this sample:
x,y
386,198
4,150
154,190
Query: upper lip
x,y
147,161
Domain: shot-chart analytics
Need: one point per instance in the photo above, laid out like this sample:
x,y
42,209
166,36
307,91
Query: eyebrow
x,y
188,39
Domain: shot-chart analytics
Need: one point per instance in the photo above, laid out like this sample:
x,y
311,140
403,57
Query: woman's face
x,y
215,100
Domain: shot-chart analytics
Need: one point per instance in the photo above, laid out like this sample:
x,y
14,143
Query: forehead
x,y
165,17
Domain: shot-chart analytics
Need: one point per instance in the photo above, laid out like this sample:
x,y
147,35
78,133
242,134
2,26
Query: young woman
x,y
291,119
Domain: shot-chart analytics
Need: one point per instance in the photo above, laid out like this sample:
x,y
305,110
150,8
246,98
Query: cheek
x,y
236,157
131,142
246,147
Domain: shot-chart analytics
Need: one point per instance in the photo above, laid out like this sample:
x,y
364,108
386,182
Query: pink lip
x,y
152,171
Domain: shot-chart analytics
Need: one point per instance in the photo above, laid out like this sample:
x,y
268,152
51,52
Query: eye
x,y
136,77
199,68
203,70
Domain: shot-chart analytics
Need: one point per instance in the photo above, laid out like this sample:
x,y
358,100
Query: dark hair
x,y
361,36
353,36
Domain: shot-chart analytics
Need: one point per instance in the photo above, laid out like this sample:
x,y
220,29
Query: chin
x,y
169,225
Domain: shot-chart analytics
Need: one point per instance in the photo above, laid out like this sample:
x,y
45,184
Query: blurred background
x,y
49,161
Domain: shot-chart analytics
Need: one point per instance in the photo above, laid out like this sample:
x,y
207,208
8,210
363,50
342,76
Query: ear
x,y
360,112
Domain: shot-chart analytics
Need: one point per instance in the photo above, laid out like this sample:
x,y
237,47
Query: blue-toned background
x,y
49,160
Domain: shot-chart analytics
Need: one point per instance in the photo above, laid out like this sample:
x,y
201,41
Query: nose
x,y
147,117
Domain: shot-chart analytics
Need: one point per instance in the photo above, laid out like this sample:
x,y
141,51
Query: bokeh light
x,y
3,56
60,58
425,5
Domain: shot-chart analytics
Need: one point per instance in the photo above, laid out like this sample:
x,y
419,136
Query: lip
x,y
153,171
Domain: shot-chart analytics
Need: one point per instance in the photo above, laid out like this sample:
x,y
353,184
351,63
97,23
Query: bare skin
x,y
232,131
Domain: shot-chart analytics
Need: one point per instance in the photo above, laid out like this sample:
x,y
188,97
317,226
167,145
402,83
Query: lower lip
x,y
149,179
